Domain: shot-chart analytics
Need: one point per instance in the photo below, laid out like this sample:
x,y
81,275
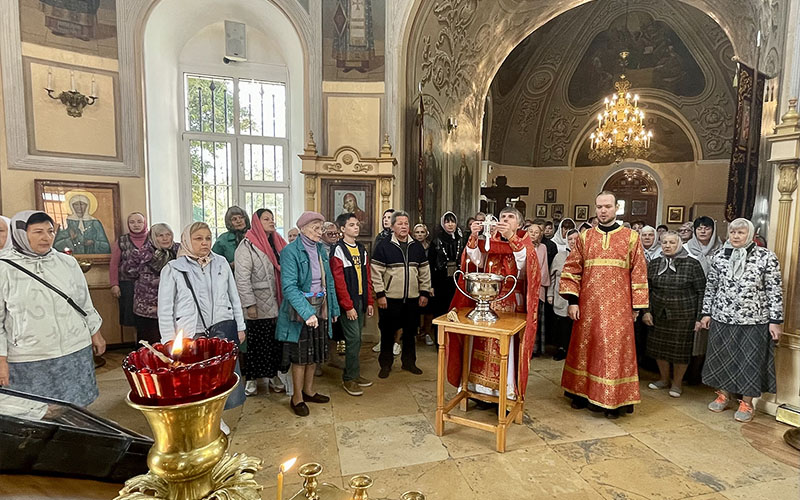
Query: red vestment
x,y
608,274
485,360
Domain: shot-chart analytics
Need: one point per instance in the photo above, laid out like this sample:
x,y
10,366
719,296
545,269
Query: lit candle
x,y
49,78
177,346
72,80
285,466
94,87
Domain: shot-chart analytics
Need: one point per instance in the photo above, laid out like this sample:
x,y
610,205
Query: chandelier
x,y
620,131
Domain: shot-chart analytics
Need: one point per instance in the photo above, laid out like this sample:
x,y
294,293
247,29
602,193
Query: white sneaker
x,y
276,385
224,427
251,388
396,349
428,340
376,347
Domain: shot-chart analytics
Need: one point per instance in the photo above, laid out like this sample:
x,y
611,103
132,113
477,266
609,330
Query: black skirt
x,y
264,351
311,347
671,340
126,316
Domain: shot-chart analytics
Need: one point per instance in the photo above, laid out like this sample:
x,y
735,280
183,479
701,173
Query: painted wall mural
x,y
84,26
353,36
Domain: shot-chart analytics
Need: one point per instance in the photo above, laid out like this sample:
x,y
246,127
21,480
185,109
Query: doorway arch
x,y
638,190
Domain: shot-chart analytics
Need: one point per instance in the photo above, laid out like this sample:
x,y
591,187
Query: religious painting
x,y
581,212
84,26
353,37
675,214
432,189
557,209
463,190
350,196
550,195
638,207
658,59
541,211
87,216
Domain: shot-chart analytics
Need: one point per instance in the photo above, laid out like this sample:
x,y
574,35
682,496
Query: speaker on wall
x,y
235,41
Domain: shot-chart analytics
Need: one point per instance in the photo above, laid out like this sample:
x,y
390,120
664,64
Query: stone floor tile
x,y
555,422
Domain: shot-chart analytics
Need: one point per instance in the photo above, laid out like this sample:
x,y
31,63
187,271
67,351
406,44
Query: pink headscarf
x,y
139,238
259,238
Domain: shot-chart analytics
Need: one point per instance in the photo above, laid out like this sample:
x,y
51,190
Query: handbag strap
x,y
196,303
48,285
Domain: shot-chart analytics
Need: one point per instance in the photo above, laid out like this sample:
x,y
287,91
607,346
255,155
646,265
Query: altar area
x,y
669,448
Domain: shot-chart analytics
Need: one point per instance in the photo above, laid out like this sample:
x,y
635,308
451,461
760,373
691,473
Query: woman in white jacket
x,y
46,341
216,311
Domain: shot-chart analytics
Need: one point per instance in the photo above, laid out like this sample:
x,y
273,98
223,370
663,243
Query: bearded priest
x,y
510,253
605,281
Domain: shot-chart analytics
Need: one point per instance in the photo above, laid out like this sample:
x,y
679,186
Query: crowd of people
x,y
601,296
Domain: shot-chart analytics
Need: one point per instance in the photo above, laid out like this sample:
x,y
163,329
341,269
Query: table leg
x,y
465,359
503,386
440,378
518,419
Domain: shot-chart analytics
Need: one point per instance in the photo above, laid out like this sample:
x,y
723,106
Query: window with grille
x,y
236,140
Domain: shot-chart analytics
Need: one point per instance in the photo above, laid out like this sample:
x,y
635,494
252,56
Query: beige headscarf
x,y
186,249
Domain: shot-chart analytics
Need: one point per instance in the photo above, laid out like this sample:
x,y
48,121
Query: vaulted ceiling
x,y
546,94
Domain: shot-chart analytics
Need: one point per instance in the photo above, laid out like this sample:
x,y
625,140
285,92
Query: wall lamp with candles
x,y
72,99
452,124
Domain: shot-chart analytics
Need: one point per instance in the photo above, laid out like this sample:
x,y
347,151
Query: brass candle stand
x,y
314,490
188,460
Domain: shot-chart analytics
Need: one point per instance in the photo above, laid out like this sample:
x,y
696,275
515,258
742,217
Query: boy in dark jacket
x,y
350,268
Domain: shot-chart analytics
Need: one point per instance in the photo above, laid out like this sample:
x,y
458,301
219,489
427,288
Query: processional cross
x,y
501,192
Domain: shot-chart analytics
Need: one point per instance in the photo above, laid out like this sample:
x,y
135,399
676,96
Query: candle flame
x,y
177,345
285,466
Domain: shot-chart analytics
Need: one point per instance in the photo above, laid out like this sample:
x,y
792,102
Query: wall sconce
x,y
452,124
678,181
584,183
72,99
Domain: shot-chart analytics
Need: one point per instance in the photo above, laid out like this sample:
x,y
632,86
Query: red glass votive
x,y
207,364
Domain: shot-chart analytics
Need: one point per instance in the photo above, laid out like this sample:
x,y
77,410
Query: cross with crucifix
x,y
501,192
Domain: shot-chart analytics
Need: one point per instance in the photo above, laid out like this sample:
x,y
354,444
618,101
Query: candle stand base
x,y
188,460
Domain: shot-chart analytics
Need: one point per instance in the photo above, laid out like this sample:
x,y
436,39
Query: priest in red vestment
x,y
510,253
605,282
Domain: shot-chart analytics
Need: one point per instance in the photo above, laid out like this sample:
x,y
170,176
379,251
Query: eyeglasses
x,y
332,234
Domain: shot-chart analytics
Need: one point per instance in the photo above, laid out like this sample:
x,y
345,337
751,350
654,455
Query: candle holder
x,y
188,460
360,484
73,100
314,490
309,473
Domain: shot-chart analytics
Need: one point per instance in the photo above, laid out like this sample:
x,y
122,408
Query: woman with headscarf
x,y
386,224
258,280
704,242
562,323
686,231
123,250
651,243
5,233
197,295
47,337
536,233
560,236
677,286
145,268
743,309
420,234
307,311
444,258
238,223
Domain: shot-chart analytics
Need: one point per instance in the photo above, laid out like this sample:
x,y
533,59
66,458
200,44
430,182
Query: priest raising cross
x,y
510,253
605,281
501,192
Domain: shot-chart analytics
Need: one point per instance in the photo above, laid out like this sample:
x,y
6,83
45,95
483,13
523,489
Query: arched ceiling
x,y
549,88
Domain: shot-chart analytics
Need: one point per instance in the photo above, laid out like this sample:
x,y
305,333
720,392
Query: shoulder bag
x,y
48,285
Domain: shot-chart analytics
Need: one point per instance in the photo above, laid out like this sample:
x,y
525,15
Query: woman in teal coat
x,y
308,309
238,224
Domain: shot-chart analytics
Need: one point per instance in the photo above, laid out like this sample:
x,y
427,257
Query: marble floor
x,y
668,449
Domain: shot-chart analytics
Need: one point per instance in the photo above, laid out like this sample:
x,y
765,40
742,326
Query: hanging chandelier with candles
x,y
620,131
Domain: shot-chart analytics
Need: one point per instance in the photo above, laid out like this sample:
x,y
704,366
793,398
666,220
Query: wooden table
x,y
503,330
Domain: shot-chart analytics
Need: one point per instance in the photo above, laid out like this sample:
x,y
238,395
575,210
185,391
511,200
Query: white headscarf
x,y
701,252
7,243
655,249
739,255
18,233
561,241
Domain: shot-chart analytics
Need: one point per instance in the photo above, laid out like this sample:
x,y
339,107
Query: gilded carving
x,y
386,187
362,167
787,180
333,167
311,185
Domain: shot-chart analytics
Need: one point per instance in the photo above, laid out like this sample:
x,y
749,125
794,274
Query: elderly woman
x,y
677,286
197,295
420,234
49,328
5,239
686,232
257,273
704,242
562,325
743,309
145,268
536,233
308,309
123,250
237,223
651,243
292,234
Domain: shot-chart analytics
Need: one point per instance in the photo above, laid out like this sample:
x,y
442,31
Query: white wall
x,y
184,34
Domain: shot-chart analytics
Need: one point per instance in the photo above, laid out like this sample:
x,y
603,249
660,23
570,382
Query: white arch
x,y
641,165
164,41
